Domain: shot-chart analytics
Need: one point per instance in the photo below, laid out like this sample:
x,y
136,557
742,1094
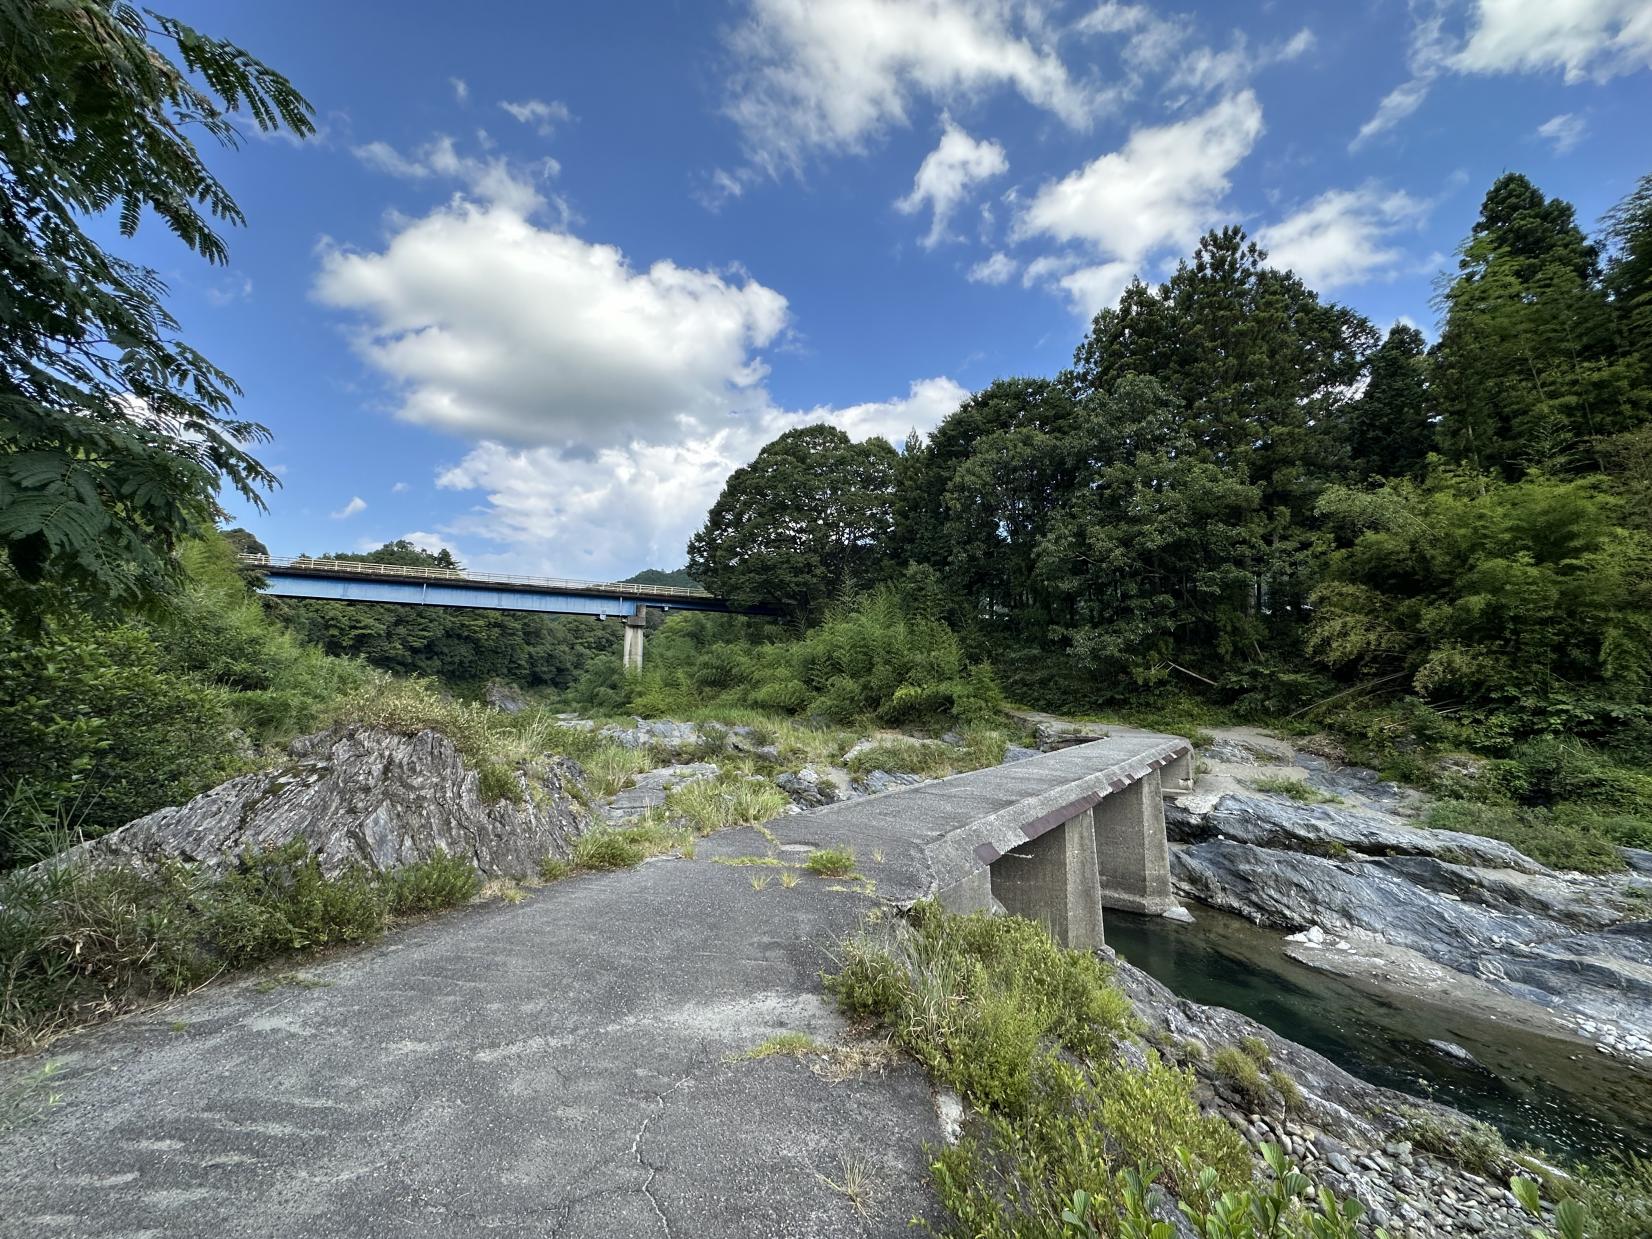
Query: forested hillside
x,y
1243,491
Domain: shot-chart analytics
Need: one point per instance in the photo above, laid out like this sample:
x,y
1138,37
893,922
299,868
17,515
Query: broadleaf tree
x,y
115,433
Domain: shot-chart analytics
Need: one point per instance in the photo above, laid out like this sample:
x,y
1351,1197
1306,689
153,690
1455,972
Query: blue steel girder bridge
x,y
336,580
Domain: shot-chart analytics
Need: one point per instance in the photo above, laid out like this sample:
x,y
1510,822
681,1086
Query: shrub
x,y
1617,1196
1472,1145
443,881
554,868
607,849
926,758
1240,1073
1290,1093
1299,790
1027,1033
1547,837
831,863
730,799
78,945
278,902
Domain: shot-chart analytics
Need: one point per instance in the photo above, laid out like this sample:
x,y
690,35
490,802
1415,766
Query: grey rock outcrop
x,y
506,698
361,796
1599,981
808,788
648,790
1272,822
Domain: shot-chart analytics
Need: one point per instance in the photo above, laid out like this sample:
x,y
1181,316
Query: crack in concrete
x,y
657,1108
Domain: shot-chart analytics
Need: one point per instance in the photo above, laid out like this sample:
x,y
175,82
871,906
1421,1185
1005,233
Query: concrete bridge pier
x,y
1131,846
1053,879
634,631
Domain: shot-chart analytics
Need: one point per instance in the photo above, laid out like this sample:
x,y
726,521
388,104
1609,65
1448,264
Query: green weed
x,y
831,863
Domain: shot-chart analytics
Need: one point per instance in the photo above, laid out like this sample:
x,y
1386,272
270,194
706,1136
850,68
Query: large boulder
x,y
362,796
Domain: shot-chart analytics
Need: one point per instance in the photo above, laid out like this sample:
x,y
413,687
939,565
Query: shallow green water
x,y
1562,1097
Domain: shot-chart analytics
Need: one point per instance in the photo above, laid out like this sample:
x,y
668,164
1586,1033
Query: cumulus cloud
x,y
356,504
1563,132
1000,268
546,511
589,387
1583,39
1343,237
461,89
543,115
828,75
491,325
400,488
946,176
1162,188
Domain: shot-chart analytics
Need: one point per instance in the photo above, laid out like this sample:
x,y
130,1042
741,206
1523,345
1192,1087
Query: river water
x,y
1561,1096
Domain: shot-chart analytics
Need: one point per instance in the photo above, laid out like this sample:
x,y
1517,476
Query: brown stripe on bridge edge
x,y
1055,817
986,853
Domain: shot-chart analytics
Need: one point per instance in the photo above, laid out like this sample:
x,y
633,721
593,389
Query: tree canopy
x,y
804,522
115,434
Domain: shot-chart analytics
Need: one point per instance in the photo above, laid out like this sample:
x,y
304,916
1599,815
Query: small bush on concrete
x,y
1299,790
730,799
607,849
831,863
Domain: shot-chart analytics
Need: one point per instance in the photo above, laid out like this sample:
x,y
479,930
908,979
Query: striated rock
x,y
1602,976
361,796
875,781
648,789
808,788
505,698
1583,902
1273,822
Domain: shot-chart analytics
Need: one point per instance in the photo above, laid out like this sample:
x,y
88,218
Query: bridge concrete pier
x,y
1133,851
1053,879
635,629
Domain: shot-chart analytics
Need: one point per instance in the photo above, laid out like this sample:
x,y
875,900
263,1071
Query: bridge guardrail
x,y
352,567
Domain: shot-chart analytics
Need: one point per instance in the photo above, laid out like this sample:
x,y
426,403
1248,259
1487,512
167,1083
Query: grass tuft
x,y
831,863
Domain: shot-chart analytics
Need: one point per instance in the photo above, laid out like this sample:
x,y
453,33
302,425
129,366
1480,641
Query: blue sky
x,y
549,272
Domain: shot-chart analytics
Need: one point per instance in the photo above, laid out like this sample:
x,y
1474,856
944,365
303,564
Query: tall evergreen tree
x,y
1528,371
1388,429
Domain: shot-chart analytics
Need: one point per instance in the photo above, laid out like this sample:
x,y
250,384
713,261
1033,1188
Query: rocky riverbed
x,y
1366,893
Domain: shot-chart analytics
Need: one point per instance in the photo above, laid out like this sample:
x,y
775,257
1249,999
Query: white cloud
x,y
948,173
1162,188
400,488
827,75
432,542
461,89
1584,39
1000,268
543,115
1092,288
1204,71
494,179
547,512
1428,55
494,326
1342,237
1563,132
356,504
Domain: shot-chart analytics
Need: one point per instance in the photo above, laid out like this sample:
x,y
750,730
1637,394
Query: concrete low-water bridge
x,y
349,580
